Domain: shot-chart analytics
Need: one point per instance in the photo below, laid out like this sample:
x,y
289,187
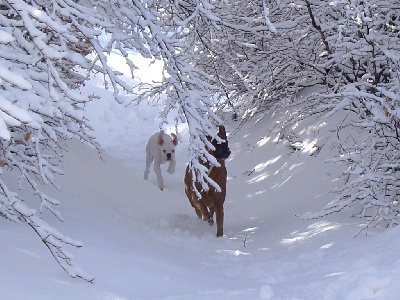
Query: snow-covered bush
x,y
361,56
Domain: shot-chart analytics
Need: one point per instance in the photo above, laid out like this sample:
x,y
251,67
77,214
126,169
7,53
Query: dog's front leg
x,y
149,160
171,167
160,180
219,211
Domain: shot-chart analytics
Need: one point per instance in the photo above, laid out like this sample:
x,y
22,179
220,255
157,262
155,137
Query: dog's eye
x,y
164,151
173,151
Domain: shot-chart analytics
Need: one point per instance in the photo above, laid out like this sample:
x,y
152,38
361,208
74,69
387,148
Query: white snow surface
x,y
143,243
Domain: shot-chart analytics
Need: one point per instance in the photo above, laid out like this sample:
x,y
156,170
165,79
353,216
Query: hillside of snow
x,y
143,243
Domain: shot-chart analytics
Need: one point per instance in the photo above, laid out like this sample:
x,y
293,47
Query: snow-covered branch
x,y
44,47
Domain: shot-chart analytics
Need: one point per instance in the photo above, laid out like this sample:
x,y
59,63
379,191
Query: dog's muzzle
x,y
169,156
222,150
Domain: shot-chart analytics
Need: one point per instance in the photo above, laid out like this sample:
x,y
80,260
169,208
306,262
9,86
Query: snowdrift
x,y
143,243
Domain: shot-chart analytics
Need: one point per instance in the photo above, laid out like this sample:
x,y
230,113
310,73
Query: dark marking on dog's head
x,y
222,150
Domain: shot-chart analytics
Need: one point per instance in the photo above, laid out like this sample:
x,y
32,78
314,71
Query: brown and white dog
x,y
212,200
161,149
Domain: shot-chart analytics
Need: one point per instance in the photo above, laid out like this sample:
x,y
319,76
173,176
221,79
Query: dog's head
x,y
222,150
167,145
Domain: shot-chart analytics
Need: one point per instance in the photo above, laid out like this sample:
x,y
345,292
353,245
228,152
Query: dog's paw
x,y
210,220
171,171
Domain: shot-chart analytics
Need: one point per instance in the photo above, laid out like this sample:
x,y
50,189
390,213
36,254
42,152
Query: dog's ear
x,y
160,140
174,139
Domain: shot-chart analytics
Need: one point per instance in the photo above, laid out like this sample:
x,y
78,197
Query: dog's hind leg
x,y
205,214
192,202
199,207
211,216
196,210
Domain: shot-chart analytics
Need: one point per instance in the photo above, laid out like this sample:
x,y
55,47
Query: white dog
x,y
160,148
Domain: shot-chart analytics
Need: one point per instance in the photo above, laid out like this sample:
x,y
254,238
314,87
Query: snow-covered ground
x,y
143,243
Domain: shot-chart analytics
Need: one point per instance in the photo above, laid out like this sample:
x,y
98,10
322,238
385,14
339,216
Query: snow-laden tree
x,y
366,58
262,53
236,52
40,48
358,61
